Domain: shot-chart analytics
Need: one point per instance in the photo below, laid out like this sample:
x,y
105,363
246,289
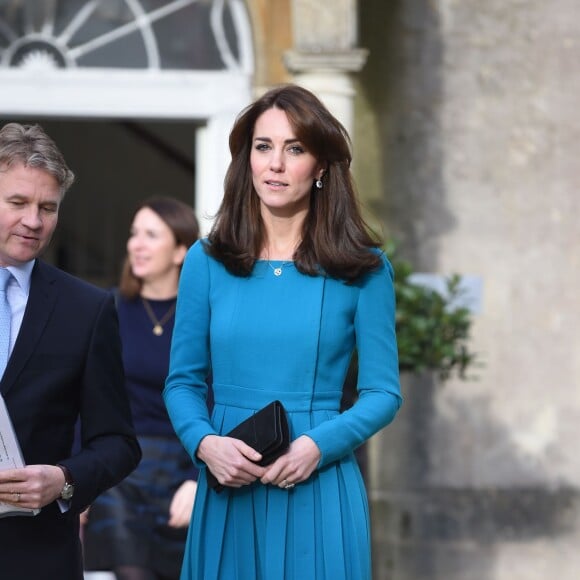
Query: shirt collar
x,y
22,274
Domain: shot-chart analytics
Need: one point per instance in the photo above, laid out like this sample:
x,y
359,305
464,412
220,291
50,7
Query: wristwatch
x,y
68,488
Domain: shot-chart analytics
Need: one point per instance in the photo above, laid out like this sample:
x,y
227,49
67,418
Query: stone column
x,y
325,54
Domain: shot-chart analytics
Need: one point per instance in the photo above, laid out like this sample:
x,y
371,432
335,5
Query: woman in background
x,y
287,285
138,529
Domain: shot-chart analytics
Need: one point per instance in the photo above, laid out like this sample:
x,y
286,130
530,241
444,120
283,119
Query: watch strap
x,y
68,487
67,474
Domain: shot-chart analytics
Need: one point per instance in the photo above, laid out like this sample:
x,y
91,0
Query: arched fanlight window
x,y
133,60
203,35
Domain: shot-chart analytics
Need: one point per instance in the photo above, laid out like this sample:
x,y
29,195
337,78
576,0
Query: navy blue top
x,y
146,360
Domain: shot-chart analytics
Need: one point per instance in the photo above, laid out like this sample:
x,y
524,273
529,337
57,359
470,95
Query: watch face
x,y
67,491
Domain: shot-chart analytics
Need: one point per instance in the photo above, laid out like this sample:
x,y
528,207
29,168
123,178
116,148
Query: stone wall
x,y
467,119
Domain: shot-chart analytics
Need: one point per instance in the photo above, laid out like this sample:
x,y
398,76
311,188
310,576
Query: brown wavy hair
x,y
335,238
181,220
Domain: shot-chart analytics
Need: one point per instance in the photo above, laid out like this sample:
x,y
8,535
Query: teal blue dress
x,y
287,337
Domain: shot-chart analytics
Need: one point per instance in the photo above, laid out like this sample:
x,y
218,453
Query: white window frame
x,y
211,99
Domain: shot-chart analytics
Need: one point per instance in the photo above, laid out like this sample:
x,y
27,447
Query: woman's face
x,y
153,253
283,171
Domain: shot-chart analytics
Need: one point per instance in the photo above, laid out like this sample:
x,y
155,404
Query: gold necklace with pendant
x,y
278,270
157,324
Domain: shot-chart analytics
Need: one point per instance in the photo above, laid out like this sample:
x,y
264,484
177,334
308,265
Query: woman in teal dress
x,y
288,283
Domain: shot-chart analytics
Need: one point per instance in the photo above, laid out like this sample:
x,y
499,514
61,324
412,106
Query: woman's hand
x,y
230,460
182,504
84,516
296,465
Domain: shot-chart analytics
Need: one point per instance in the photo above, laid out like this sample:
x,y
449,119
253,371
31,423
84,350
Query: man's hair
x,y
30,146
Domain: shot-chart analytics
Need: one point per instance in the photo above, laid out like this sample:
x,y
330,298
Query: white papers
x,y
10,458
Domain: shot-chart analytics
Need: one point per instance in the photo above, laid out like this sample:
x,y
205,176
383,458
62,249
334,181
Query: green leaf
x,y
431,333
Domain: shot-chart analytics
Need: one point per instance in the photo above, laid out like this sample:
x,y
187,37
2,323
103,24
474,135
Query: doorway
x,y
117,164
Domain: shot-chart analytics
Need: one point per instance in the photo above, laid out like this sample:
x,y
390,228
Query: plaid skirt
x,y
128,523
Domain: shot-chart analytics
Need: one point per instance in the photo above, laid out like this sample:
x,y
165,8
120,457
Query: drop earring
x,y
318,183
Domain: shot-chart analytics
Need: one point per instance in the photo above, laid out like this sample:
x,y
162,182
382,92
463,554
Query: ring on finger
x,y
17,495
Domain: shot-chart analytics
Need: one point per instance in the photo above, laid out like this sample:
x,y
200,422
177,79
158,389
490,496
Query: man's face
x,y
29,203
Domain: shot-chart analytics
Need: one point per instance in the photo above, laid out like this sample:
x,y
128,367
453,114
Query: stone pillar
x,y
325,55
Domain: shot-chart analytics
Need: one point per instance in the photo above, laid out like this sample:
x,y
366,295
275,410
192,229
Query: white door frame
x,y
211,98
35,86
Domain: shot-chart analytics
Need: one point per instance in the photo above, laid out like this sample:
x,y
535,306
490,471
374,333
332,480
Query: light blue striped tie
x,y
5,319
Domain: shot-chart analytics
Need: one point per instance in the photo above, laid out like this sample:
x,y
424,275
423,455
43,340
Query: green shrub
x,y
432,333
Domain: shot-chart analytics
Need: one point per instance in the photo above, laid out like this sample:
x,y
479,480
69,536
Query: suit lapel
x,y
39,307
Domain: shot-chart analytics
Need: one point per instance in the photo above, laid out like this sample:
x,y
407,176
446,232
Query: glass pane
x,y
176,34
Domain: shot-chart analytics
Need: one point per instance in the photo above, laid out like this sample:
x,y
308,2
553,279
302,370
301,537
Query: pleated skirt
x,y
318,530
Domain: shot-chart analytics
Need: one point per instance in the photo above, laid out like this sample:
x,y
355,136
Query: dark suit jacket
x,y
66,363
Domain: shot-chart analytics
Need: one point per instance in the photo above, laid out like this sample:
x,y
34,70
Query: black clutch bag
x,y
266,431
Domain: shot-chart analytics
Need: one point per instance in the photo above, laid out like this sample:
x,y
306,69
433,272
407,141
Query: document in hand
x,y
10,458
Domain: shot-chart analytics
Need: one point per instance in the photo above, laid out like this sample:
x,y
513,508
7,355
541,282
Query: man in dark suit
x,y
64,363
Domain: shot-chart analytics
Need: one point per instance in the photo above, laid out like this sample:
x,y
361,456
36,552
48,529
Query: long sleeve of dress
x,y
186,390
378,375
